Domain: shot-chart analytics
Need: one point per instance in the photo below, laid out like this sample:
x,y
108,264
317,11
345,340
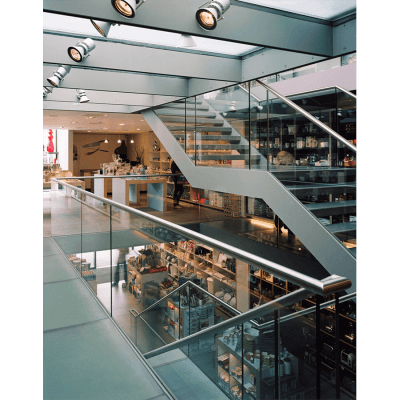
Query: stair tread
x,y
213,147
201,157
353,251
212,121
342,227
330,205
181,113
202,107
302,186
226,129
225,138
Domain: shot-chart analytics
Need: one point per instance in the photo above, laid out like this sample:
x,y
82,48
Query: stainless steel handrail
x,y
346,91
319,90
309,116
334,284
252,95
190,283
309,310
257,312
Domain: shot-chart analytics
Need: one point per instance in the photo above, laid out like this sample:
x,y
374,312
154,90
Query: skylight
x,y
315,8
82,26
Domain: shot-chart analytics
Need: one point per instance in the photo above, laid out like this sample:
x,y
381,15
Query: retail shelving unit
x,y
159,160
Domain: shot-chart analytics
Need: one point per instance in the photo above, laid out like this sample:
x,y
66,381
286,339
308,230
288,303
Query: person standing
x,y
178,184
121,264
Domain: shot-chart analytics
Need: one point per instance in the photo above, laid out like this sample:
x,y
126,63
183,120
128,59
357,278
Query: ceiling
x,y
94,122
141,64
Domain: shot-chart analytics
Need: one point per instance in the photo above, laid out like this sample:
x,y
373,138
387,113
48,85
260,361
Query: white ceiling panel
x,y
323,9
62,23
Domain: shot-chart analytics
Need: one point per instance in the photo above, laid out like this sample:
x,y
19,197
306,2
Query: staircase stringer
x,y
324,246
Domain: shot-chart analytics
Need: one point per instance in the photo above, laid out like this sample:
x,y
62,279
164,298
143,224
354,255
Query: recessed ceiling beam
x,y
271,61
131,58
344,38
243,25
81,78
112,98
86,107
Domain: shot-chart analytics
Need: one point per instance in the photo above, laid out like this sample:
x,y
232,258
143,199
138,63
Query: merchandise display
x,y
232,205
118,167
159,159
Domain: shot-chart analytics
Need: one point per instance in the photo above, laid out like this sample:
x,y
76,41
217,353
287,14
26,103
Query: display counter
x,y
102,186
125,191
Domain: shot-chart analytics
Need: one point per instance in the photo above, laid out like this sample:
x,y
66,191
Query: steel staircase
x,y
294,193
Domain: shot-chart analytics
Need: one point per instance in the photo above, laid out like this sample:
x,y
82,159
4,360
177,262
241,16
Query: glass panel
x,y
223,131
96,248
313,165
179,118
298,338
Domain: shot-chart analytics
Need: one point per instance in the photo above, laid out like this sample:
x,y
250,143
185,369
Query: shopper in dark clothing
x,y
121,264
178,181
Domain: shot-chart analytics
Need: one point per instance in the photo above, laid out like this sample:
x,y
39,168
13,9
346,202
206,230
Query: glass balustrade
x,y
293,352
161,286
316,166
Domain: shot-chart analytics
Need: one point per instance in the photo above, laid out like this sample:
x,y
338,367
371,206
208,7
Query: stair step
x,y
190,101
332,208
203,157
343,227
199,139
198,107
221,147
181,113
217,122
353,251
319,189
222,129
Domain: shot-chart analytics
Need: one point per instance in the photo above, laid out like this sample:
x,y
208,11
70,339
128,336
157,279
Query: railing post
x,y
185,129
337,348
249,128
277,351
318,345
111,261
195,132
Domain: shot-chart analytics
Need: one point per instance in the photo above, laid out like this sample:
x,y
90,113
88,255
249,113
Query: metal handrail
x,y
333,284
309,116
346,91
182,287
309,310
257,312
320,90
252,95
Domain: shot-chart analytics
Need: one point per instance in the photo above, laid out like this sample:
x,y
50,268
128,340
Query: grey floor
x,y
85,356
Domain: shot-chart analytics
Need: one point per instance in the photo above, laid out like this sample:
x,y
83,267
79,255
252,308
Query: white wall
x,y
63,148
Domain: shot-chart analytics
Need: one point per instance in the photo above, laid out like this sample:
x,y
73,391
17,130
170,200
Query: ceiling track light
x,y
186,41
81,94
81,50
102,27
59,75
47,90
208,16
127,8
